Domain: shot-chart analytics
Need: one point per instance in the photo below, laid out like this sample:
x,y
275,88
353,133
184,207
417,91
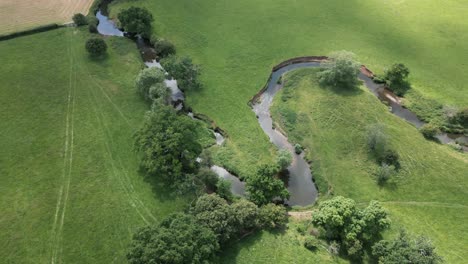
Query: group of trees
x,y
136,21
183,70
197,236
386,157
340,70
150,85
95,46
352,228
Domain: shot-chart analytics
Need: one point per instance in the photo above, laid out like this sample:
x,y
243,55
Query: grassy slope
x,y
276,247
431,196
237,42
107,199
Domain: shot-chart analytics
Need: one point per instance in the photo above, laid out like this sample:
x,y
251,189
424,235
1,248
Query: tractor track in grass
x,y
65,180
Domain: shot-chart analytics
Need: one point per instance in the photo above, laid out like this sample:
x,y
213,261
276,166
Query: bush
x,y
208,177
92,24
136,20
395,78
390,157
455,146
284,159
341,70
462,117
376,139
164,48
273,216
96,46
79,19
148,78
384,173
311,243
223,189
429,131
298,149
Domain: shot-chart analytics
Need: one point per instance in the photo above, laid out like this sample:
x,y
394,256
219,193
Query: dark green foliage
x,y
208,177
164,48
92,24
223,189
352,228
215,213
429,131
159,92
178,239
264,186
246,214
298,149
151,78
284,159
96,46
272,216
136,20
390,157
183,70
311,243
79,19
406,250
395,78
168,145
384,173
341,70
34,30
462,117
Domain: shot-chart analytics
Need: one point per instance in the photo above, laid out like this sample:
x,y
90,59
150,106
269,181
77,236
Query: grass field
x,y
17,15
237,42
430,196
70,191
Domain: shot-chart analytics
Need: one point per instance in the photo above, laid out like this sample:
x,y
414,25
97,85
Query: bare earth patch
x,y
17,15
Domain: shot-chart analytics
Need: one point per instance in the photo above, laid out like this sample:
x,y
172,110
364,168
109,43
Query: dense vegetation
x,y
425,195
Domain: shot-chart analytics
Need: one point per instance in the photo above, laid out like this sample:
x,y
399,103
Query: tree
x,y
264,186
341,70
272,216
164,48
395,78
178,239
136,20
148,78
159,92
215,213
342,221
406,250
168,145
79,19
96,46
183,70
284,159
246,215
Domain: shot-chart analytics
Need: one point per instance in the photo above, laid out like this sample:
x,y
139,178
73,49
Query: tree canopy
x,y
341,70
168,145
395,78
136,20
96,46
178,239
264,186
150,83
183,70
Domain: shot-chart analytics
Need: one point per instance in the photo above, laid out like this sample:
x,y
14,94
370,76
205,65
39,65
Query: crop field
x,y
70,189
237,43
429,196
17,15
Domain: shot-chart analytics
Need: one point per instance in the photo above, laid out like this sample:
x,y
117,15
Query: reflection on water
x,y
106,26
237,187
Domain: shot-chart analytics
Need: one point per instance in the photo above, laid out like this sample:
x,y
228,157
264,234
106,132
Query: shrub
x,y
298,148
164,48
159,91
208,177
429,131
395,78
384,173
376,139
223,189
136,20
79,19
96,46
390,157
341,70
92,24
146,79
311,243
284,159
272,216
462,117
